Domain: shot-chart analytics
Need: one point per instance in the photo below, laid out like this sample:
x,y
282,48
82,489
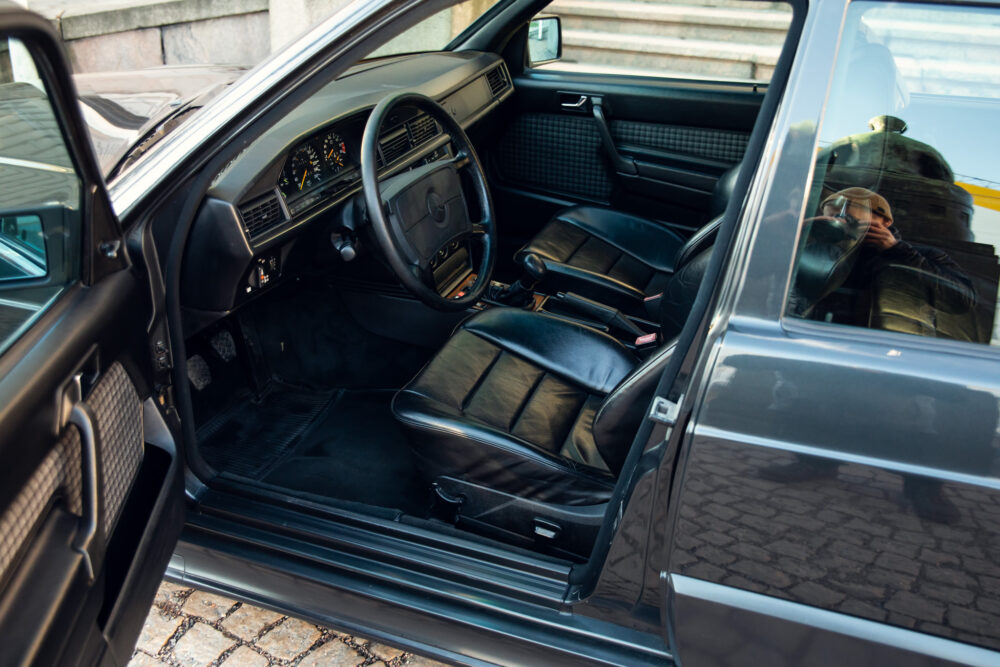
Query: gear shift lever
x,y
521,293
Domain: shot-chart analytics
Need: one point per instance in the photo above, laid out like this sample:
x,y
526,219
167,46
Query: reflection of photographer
x,y
942,283
905,287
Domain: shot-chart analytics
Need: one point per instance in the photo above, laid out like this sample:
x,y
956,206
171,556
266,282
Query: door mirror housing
x,y
544,40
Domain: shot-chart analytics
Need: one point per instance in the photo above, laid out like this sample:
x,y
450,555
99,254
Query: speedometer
x,y
334,152
302,170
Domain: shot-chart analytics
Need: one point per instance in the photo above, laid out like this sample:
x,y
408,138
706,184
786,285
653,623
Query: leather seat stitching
x,y
527,398
482,378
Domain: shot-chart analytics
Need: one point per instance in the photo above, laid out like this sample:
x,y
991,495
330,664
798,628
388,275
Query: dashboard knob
x,y
344,245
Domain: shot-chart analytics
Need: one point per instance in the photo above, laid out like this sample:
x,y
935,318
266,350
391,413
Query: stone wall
x,y
715,38
118,35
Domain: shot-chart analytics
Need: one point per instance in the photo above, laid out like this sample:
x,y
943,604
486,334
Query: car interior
x,y
441,290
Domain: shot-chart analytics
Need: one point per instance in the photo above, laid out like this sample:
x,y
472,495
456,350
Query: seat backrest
x,y
619,415
621,411
705,237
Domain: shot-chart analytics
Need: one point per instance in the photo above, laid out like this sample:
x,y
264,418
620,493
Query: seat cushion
x,y
509,403
605,255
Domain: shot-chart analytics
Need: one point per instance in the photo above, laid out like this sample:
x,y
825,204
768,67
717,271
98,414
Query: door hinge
x,y
665,411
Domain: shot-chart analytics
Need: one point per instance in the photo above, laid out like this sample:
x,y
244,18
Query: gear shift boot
x,y
522,293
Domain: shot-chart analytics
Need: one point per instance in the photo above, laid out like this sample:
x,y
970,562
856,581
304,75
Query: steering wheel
x,y
422,212
825,261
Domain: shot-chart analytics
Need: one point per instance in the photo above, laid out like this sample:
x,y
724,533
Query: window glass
x,y
39,195
436,31
903,218
735,41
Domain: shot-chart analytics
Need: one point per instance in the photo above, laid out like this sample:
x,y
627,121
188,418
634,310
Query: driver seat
x,y
524,417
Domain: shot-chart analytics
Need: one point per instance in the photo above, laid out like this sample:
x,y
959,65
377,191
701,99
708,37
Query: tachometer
x,y
303,169
334,152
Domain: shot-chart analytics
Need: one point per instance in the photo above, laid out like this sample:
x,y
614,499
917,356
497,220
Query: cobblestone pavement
x,y
851,543
189,628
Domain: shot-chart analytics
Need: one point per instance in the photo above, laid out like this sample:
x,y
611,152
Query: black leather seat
x,y
529,405
538,407
616,258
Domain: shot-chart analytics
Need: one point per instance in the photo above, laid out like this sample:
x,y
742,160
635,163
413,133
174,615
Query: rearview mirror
x,y
544,40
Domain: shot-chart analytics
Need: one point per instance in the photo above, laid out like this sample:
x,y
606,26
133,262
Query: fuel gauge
x,y
334,152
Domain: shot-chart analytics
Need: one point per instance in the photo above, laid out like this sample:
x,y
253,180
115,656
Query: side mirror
x,y
544,40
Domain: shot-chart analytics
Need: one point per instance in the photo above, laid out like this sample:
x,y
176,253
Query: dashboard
x,y
292,183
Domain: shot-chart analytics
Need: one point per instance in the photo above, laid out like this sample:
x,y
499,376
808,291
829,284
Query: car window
x,y
39,195
902,222
668,38
436,31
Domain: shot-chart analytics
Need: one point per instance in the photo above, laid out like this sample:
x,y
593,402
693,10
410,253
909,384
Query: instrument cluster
x,y
315,161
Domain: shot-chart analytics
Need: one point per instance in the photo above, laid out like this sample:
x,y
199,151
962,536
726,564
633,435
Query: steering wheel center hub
x,y
436,206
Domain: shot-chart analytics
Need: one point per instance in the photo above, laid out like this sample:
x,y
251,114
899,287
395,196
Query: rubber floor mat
x,y
249,438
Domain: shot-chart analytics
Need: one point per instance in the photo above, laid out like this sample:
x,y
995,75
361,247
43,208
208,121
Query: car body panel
x,y
895,422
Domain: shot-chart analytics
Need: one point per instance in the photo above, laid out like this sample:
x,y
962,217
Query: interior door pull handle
x,y
575,105
621,164
81,416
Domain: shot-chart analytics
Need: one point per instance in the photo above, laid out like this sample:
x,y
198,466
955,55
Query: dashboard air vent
x,y
422,129
394,147
262,215
497,80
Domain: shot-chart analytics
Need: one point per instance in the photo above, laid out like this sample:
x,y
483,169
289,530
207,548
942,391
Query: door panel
x,y
646,146
90,509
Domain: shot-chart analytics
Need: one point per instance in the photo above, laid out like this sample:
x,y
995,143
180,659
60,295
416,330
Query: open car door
x,y
91,491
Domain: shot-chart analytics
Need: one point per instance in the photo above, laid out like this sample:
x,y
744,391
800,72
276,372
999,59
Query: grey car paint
x,y
904,419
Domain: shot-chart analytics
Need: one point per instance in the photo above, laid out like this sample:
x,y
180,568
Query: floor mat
x,y
357,452
252,436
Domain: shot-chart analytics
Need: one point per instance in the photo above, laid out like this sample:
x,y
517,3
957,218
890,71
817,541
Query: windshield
x,y
436,31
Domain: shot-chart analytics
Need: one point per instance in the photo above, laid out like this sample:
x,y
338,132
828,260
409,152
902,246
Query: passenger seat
x,y
616,258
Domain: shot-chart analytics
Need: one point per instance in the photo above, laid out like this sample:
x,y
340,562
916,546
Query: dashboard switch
x,y
263,271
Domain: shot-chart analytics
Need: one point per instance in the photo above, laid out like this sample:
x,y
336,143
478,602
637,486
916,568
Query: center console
x,y
634,332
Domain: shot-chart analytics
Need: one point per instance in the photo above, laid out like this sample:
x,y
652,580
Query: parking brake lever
x,y
599,312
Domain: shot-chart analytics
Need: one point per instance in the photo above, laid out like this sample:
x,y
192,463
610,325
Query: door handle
x,y
621,164
81,416
575,106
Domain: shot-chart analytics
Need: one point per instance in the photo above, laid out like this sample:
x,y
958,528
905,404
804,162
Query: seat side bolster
x,y
448,442
618,417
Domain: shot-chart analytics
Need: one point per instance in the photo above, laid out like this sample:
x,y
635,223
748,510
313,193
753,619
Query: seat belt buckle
x,y
653,297
647,340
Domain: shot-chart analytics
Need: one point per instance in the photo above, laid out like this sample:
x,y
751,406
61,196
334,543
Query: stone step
x,y
683,21
951,41
647,52
750,5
